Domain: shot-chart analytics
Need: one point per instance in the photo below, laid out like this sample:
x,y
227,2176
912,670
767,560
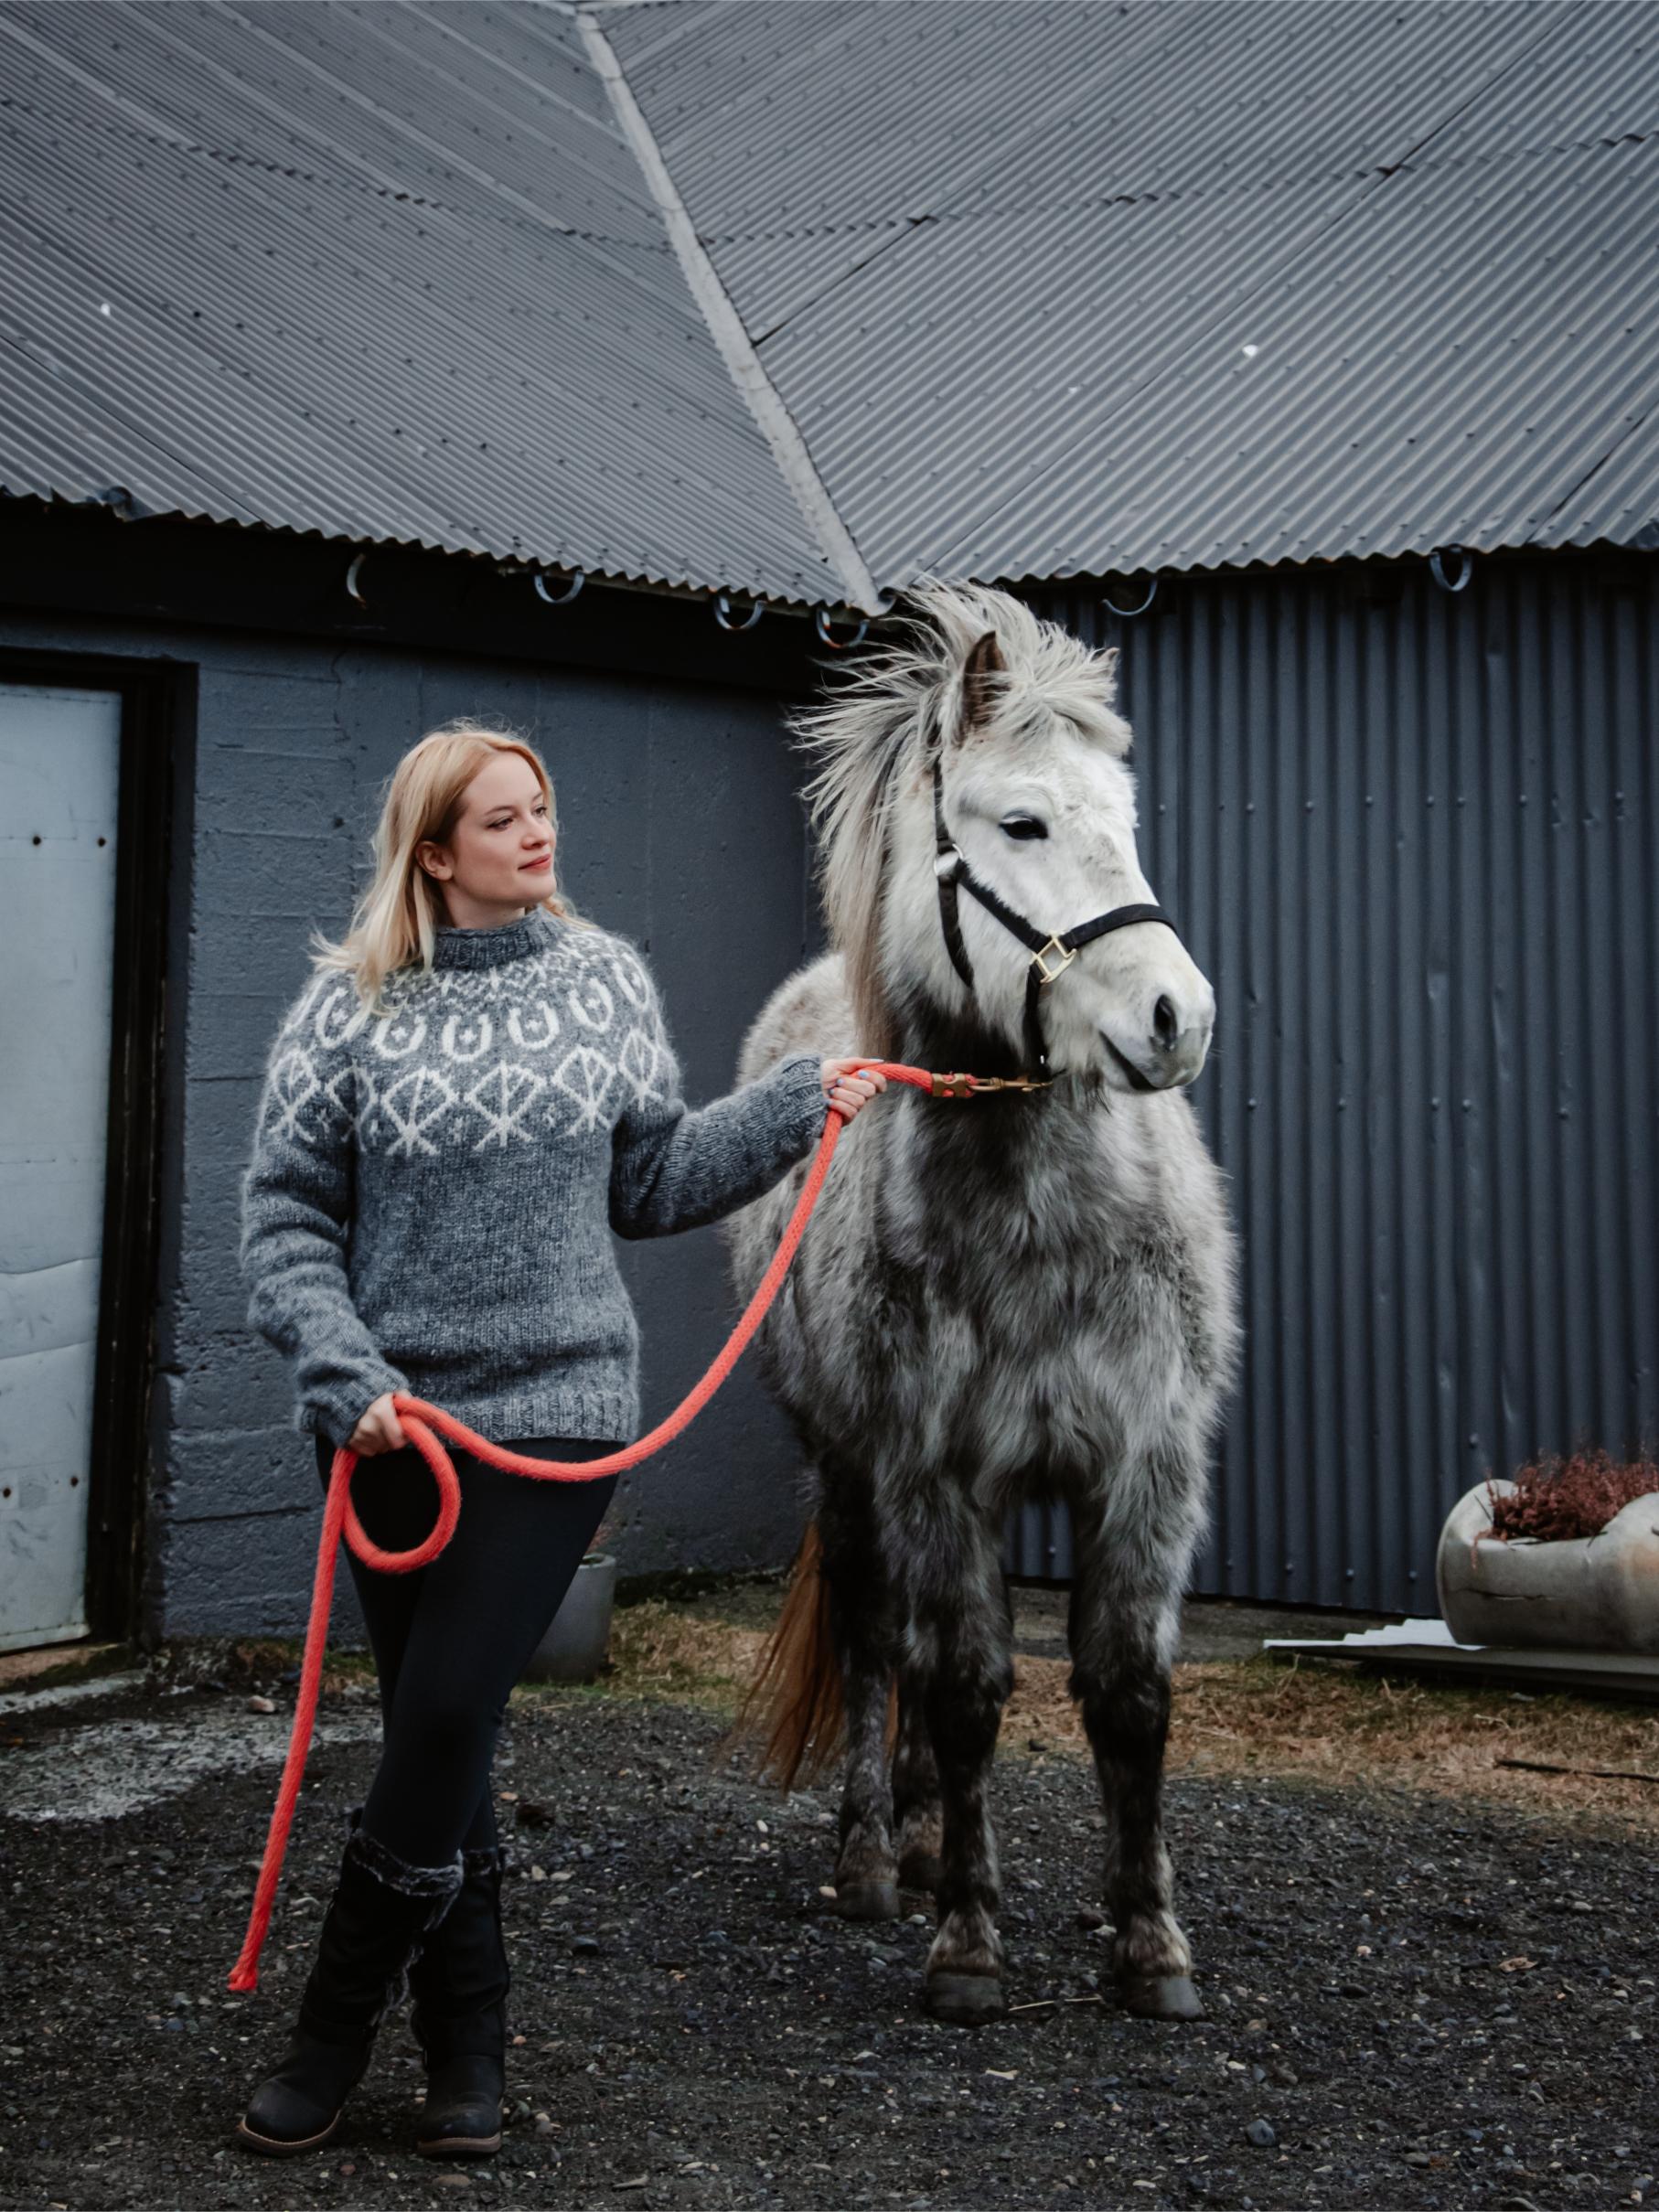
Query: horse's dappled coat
x,y
1002,1300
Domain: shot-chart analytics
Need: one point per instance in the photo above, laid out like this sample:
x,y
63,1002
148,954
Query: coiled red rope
x,y
419,1419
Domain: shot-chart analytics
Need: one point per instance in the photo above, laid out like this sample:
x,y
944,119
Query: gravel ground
x,y
1413,2004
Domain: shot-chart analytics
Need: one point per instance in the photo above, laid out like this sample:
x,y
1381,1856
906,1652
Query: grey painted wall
x,y
1410,836
679,823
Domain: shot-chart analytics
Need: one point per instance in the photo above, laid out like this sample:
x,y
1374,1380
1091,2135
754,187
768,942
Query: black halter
x,y
1051,955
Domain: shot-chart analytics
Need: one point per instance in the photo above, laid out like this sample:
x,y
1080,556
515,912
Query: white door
x,y
60,767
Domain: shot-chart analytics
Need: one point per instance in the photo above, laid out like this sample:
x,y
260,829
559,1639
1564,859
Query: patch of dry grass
x,y
658,1651
1255,1717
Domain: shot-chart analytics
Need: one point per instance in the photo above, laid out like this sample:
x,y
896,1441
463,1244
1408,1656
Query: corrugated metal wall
x,y
1411,836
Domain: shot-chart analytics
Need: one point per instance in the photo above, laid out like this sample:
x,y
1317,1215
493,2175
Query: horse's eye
x,y
1025,826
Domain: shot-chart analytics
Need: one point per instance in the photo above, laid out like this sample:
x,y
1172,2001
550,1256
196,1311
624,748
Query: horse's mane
x,y
890,710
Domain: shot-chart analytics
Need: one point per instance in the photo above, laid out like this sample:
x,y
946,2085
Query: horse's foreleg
x,y
1122,1639
958,1649
861,1619
916,1790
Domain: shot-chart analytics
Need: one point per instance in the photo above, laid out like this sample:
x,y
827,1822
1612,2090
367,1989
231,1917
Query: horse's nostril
x,y
1166,1023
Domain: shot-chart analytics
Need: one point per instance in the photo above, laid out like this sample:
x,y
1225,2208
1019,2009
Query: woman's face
x,y
499,858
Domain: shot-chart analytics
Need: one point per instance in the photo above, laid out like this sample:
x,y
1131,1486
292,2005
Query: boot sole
x,y
273,2146
461,2146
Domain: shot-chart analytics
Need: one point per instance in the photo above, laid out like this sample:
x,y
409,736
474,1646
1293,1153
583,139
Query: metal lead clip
x,y
969,1086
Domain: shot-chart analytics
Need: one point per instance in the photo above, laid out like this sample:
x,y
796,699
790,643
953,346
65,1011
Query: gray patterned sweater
x,y
429,1198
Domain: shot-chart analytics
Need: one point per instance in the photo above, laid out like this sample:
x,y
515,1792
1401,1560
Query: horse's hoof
x,y
924,1871
965,2000
867,1900
1163,1997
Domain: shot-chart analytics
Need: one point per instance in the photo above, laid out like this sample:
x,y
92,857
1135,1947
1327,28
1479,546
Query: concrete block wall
x,y
679,822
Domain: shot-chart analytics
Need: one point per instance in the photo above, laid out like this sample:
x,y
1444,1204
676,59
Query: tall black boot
x,y
459,1982
379,1913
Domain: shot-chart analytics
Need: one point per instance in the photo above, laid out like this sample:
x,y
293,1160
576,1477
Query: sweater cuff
x,y
334,1410
800,1084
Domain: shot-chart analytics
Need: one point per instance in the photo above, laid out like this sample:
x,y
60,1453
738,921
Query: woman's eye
x,y
1025,826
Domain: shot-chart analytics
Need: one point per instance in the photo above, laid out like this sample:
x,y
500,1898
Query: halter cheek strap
x,y
1051,955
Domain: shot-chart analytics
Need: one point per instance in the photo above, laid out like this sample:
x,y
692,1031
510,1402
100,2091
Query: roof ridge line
x,y
727,326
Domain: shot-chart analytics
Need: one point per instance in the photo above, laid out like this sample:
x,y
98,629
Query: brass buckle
x,y
950,1087
1064,955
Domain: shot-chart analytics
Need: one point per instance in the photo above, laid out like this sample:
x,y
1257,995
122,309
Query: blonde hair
x,y
395,921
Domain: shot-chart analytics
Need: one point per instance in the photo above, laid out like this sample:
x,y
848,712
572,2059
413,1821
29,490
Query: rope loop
x,y
1437,567
420,1419
723,612
578,577
822,622
1128,614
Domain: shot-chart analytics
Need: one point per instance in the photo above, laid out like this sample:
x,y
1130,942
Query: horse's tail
x,y
795,1699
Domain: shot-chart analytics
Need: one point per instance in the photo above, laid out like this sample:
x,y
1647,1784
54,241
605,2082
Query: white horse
x,y
1027,1296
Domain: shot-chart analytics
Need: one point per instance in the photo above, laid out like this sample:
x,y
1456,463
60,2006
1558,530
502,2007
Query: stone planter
x,y
1593,1592
579,1635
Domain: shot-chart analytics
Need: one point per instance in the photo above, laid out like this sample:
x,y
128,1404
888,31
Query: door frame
x,y
152,880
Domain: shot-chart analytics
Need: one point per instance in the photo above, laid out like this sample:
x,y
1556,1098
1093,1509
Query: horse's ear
x,y
1106,660
984,661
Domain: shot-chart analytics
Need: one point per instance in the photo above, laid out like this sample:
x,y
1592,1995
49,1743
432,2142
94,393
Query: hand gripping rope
x,y
419,1419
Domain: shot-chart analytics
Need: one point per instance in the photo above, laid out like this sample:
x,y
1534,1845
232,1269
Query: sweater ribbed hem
x,y
603,1416
591,1415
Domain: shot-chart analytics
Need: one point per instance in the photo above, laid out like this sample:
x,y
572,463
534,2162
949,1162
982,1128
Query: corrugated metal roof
x,y
390,269
777,118
1015,254
383,271
1436,368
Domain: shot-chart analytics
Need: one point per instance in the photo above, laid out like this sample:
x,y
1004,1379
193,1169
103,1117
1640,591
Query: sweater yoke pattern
x,y
433,1186
474,1058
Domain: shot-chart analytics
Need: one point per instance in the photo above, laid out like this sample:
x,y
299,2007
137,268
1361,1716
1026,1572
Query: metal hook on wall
x,y
820,623
354,580
1128,614
1437,567
578,577
723,612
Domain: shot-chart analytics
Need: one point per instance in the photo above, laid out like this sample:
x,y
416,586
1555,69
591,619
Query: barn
x,y
607,370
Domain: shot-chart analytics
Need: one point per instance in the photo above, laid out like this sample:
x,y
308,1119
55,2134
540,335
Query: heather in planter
x,y
1566,1554
1557,1499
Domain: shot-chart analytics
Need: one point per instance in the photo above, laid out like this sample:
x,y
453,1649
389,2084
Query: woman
x,y
474,1087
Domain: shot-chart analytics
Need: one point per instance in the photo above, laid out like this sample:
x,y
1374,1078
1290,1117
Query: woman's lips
x,y
535,867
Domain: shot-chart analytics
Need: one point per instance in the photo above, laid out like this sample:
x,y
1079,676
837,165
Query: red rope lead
x,y
339,1515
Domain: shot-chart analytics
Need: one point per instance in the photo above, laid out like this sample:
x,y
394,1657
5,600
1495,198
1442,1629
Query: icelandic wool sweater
x,y
431,1194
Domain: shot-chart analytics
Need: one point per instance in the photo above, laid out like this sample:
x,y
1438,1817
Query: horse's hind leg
x,y
1123,1634
917,1818
862,1622
958,1646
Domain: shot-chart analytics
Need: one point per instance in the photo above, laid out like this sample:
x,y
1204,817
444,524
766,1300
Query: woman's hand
x,y
851,1083
378,1430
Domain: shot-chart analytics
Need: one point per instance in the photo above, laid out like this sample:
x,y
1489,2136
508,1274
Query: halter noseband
x,y
1051,955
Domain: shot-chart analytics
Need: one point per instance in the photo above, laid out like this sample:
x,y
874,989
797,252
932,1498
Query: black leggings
x,y
451,1639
